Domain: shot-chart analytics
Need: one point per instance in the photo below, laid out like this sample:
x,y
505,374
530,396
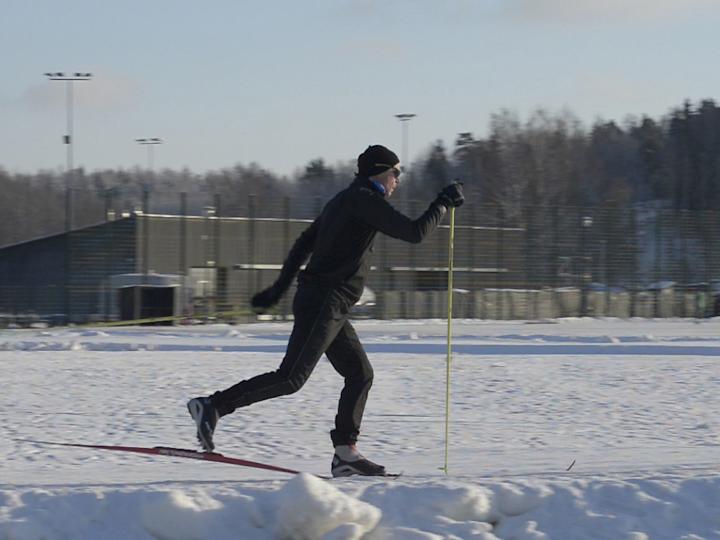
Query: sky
x,y
280,83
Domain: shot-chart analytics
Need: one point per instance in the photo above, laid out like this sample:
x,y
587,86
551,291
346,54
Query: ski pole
x,y
449,335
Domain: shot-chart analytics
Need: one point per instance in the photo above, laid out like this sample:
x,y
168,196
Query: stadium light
x,y
69,79
150,142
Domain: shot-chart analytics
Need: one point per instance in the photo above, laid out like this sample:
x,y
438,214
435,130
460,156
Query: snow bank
x,y
308,508
643,430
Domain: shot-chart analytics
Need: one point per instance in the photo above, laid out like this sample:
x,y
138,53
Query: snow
x,y
634,403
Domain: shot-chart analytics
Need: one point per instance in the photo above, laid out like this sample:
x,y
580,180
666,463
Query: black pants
x,y
321,326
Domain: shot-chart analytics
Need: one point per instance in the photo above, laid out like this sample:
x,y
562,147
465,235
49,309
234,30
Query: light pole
x,y
404,121
150,142
586,223
69,79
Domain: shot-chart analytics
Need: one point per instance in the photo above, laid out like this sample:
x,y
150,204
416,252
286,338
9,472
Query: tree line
x,y
547,160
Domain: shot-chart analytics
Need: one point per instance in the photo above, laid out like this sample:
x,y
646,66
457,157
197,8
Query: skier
x,y
337,243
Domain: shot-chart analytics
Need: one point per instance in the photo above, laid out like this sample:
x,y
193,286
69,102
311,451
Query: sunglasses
x,y
397,171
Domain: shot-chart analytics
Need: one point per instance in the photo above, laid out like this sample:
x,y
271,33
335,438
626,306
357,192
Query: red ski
x,y
173,452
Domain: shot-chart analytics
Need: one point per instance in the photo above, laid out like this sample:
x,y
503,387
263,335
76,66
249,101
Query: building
x,y
152,265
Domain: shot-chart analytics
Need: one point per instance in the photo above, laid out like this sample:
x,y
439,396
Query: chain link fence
x,y
201,255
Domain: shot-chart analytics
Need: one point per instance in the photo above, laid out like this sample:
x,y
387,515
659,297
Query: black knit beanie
x,y
376,159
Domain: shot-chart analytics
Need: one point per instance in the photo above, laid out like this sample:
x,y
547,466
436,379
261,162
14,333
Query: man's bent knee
x,y
368,375
362,377
293,384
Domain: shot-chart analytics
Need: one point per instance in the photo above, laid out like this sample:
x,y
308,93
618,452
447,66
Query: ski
x,y
390,475
171,452
192,454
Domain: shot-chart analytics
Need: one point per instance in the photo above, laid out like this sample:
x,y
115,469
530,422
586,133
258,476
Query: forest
x,y
548,160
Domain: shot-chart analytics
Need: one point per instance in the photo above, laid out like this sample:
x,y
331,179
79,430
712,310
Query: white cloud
x,y
602,10
38,97
400,12
101,92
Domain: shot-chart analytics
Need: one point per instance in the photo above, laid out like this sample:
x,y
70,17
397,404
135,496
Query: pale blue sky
x,y
284,82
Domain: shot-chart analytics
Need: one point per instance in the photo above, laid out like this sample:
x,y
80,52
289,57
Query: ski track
x,y
634,403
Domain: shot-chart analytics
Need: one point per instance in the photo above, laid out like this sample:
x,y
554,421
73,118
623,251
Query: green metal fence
x,y
200,254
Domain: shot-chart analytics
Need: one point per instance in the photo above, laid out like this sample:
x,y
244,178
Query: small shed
x,y
143,296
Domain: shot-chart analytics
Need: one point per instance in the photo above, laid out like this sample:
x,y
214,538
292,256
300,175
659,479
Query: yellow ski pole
x,y
449,336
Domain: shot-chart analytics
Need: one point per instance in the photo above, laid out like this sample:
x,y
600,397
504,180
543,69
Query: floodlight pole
x,y
69,79
150,142
404,122
404,119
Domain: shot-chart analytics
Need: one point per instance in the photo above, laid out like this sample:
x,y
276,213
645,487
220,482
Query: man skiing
x,y
337,244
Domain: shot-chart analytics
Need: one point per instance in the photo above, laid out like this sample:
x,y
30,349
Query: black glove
x,y
265,299
451,196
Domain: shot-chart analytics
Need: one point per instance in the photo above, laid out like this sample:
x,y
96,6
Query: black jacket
x,y
342,236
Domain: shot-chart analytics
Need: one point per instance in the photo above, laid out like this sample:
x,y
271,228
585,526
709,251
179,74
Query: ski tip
x,y
38,441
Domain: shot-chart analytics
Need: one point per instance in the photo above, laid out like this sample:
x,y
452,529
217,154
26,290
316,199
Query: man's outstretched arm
x,y
380,214
297,256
